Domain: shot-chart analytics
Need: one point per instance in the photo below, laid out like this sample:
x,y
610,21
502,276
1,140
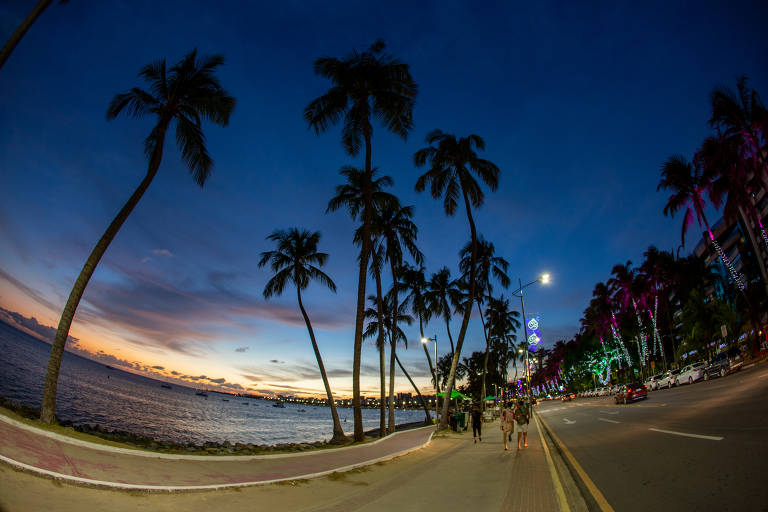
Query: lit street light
x,y
543,279
424,341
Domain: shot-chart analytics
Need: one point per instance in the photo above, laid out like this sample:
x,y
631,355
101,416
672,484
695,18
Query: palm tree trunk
x,y
48,406
755,246
393,348
10,45
428,421
485,359
338,432
465,320
359,319
432,369
382,364
450,338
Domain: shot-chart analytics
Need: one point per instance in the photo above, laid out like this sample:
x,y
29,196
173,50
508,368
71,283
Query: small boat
x,y
200,392
302,410
243,403
279,404
166,386
225,400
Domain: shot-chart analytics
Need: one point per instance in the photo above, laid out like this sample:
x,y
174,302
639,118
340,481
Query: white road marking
x,y
568,422
698,436
609,421
610,412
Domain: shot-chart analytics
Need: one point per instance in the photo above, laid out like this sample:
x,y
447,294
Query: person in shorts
x,y
477,423
522,415
507,423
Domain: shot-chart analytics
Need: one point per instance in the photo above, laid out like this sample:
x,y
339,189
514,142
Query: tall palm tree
x,y
362,196
735,186
442,296
18,34
688,185
297,261
364,85
741,119
488,264
415,283
183,95
453,164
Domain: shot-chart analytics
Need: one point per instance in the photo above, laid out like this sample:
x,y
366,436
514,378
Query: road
x,y
696,447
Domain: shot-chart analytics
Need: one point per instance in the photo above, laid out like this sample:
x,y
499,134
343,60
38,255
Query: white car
x,y
668,379
691,374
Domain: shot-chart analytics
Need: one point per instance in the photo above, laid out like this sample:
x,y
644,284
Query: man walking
x,y
522,418
477,423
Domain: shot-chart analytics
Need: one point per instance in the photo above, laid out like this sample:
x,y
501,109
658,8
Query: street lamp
x,y
543,279
424,341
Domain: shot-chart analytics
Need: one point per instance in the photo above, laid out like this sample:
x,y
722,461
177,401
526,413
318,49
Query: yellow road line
x,y
591,487
553,471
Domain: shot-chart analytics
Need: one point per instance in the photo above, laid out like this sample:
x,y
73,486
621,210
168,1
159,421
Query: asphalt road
x,y
670,468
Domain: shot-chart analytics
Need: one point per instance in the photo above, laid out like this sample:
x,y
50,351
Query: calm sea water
x,y
89,392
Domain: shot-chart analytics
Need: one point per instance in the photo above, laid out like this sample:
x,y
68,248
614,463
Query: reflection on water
x,y
89,392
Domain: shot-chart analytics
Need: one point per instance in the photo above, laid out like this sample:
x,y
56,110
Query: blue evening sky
x,y
578,106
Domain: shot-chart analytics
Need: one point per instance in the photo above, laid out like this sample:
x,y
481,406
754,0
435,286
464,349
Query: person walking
x,y
507,423
477,424
522,417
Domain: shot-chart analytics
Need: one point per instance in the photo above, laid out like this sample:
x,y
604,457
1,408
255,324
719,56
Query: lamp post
x,y
424,341
543,279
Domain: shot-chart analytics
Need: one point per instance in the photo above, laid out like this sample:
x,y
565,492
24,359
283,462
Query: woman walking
x,y
477,424
507,423
522,417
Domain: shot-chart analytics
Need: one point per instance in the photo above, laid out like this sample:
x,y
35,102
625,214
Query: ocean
x,y
89,392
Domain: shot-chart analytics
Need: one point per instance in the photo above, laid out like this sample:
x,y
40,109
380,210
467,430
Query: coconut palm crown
x,y
185,94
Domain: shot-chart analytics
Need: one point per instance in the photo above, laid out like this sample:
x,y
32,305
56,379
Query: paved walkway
x,y
62,457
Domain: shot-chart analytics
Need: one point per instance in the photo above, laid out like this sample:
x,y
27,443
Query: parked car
x,y
670,379
631,392
724,363
653,382
691,373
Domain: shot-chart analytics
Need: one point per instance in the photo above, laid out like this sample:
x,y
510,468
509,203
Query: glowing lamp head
x,y
424,340
545,278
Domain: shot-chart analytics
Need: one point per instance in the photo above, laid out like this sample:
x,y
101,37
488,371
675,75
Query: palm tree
x,y
735,186
364,85
297,261
415,283
397,231
442,296
363,196
452,163
487,264
688,185
35,13
185,94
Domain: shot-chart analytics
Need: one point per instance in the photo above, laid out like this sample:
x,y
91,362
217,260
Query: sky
x,y
578,106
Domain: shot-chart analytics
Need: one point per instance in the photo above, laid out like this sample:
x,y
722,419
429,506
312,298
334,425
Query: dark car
x,y
631,392
724,363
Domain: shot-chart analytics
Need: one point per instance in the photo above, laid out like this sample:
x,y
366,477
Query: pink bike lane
x,y
43,452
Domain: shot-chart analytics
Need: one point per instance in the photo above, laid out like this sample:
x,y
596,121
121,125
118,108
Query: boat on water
x,y
279,404
225,400
200,392
166,386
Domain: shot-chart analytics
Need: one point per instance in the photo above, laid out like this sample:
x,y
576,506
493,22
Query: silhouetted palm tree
x,y
297,261
453,164
364,85
397,231
415,283
442,296
35,13
488,264
183,95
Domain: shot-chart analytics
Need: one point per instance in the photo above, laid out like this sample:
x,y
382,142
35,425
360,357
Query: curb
x,y
589,491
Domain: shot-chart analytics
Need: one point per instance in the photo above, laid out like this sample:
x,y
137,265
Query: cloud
x,y
28,291
32,327
217,381
174,372
276,361
241,349
146,260
163,252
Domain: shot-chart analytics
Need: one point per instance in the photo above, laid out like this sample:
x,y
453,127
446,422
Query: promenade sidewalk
x,y
51,454
449,473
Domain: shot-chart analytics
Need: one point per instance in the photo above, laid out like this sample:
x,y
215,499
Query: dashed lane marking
x,y
609,421
685,434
